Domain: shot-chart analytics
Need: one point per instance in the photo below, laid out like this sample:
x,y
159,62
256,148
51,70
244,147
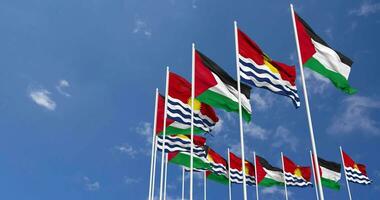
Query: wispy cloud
x,y
256,131
316,83
145,129
329,32
91,185
130,180
355,114
218,127
274,191
42,98
62,85
127,149
366,8
141,27
283,137
262,101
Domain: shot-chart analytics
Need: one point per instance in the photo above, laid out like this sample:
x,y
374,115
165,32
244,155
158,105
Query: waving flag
x,y
296,175
355,172
330,173
218,165
172,127
236,173
181,143
258,69
179,105
317,55
267,175
217,88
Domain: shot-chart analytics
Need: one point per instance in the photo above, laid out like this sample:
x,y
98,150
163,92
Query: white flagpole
x,y
166,175
183,183
257,184
152,159
192,118
315,178
164,133
240,112
283,169
229,176
154,168
314,147
345,174
204,185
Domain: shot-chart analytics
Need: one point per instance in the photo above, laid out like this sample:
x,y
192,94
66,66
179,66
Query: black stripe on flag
x,y
224,76
316,37
329,165
268,166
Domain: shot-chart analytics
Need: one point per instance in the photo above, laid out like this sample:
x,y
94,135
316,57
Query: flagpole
x,y
183,183
192,118
307,107
152,159
229,175
204,185
166,175
164,133
154,168
240,112
257,184
345,174
315,178
283,169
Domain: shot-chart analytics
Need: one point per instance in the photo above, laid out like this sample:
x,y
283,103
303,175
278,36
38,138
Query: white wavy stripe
x,y
294,180
179,125
178,144
362,176
197,116
239,175
366,182
231,93
174,115
267,85
218,167
265,68
330,59
273,81
182,150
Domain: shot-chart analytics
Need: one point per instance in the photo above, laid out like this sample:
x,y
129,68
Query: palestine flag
x,y
199,159
181,143
172,127
267,175
217,88
218,165
236,174
317,55
355,172
179,105
257,69
296,175
330,173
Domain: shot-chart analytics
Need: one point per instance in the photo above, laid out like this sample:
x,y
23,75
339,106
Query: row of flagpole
x,y
162,193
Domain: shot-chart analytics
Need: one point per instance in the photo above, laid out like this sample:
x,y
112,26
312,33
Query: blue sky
x,y
77,88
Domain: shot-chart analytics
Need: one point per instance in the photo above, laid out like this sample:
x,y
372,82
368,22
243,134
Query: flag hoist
x,y
310,123
154,151
240,111
283,168
314,175
192,117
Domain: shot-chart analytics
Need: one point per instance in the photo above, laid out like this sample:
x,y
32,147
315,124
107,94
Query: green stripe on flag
x,y
337,79
330,184
184,160
218,178
267,182
176,131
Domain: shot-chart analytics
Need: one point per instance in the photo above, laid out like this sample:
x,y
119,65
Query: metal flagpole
x,y
166,175
345,174
154,168
240,112
183,183
283,169
192,118
257,184
315,178
229,176
205,185
307,107
164,133
152,160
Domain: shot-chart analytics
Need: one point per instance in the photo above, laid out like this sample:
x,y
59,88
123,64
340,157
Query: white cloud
x,y
127,149
218,127
356,116
262,101
91,185
329,33
41,97
274,191
194,4
283,137
145,129
141,27
62,84
366,8
256,131
129,180
316,83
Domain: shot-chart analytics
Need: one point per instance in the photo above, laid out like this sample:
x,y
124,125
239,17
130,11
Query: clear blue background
x,y
94,143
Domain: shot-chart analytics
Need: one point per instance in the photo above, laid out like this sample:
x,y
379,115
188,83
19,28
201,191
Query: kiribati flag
x,y
355,172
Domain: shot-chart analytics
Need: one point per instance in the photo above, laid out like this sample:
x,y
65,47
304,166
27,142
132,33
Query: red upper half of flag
x,y
249,49
297,170
180,88
259,170
160,115
306,46
349,162
203,78
235,163
217,158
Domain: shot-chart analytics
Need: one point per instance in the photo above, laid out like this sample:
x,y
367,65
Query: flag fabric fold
x,y
330,173
236,172
320,57
267,175
218,165
355,172
296,175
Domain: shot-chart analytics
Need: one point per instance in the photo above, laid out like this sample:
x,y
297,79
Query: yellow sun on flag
x,y
298,173
197,104
246,168
270,66
356,166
